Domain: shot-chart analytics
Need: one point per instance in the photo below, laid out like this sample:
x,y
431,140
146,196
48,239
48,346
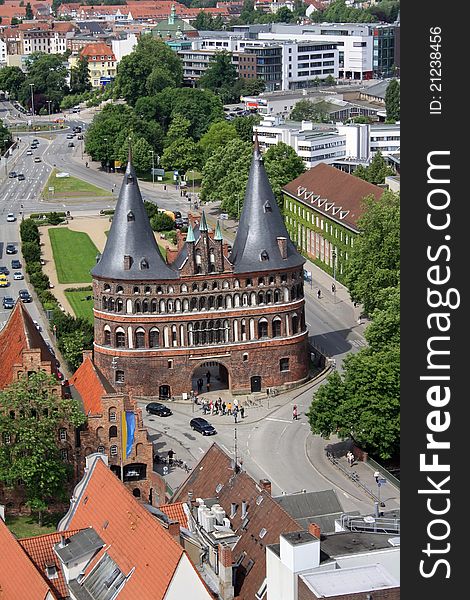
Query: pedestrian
x,y
164,187
170,456
355,304
208,376
333,288
223,408
235,403
294,413
229,408
208,387
242,412
86,165
319,294
235,415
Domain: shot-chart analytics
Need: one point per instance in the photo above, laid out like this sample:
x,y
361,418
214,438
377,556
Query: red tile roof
x,y
175,512
134,537
41,552
343,190
91,387
18,577
98,49
215,468
20,334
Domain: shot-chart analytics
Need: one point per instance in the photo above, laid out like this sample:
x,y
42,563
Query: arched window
x,y
120,338
112,432
300,290
184,288
249,282
153,306
107,287
295,324
140,338
112,414
119,305
144,264
277,296
136,290
170,289
178,305
215,285
293,293
111,304
185,305
159,290
202,303
119,289
198,261
174,336
236,300
253,298
162,306
170,306
129,306
104,303
204,286
260,298
262,328
190,334
211,302
195,287
145,306
193,304
226,285
154,338
196,333
269,297
286,294
137,307
210,332
271,279
226,331
260,280
107,336
243,329
236,283
276,326
166,337
228,301
147,289
245,300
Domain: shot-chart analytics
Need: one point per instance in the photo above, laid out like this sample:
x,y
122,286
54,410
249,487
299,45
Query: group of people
x,y
351,458
220,407
200,383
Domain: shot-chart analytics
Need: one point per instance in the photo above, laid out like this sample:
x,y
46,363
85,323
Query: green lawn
x,y
27,526
74,255
162,248
81,306
71,187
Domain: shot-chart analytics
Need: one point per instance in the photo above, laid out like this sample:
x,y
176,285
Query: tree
x,y
162,222
392,101
384,330
306,110
141,154
11,80
48,75
284,15
282,165
80,77
374,261
376,172
105,129
252,87
221,73
330,80
181,155
149,68
31,414
29,12
178,130
219,134
244,126
72,346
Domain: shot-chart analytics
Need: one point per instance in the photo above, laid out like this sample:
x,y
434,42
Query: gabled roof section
x,y
20,334
40,550
263,513
256,246
131,251
19,578
175,512
91,386
134,539
332,190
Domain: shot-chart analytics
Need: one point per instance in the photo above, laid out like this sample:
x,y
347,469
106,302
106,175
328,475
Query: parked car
x,y
155,408
21,177
24,296
71,145
4,271
36,141
70,136
29,152
202,426
16,264
12,174
18,276
37,159
8,302
36,324
10,249
4,281
177,214
10,216
179,223
185,221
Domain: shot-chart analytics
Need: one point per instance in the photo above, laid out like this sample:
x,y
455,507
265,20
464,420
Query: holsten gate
x,y
158,325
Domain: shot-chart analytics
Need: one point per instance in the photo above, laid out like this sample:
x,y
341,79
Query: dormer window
x,y
130,178
267,207
264,255
144,264
130,216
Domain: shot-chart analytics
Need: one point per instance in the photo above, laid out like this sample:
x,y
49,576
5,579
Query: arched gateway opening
x,y
210,373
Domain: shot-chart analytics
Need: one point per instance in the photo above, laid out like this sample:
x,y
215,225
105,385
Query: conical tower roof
x,y
256,246
131,236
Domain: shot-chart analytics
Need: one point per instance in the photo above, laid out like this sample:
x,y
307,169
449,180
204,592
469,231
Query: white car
x,y
29,152
18,275
38,327
11,217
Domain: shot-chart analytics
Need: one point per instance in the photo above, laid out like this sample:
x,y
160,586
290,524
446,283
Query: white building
x,y
385,138
3,52
123,47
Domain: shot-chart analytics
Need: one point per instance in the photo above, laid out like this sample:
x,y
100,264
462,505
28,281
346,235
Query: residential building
x,y
236,519
42,36
239,312
321,210
101,63
173,27
123,46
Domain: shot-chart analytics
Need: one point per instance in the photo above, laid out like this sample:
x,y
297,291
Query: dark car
x,y
177,214
4,271
202,426
8,302
179,223
12,174
24,296
155,408
21,177
10,249
70,144
15,264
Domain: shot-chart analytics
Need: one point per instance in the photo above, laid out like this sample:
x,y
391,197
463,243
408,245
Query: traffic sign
x,y
381,482
223,216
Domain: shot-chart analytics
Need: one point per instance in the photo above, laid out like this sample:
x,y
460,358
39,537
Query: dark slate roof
x,y
131,235
261,223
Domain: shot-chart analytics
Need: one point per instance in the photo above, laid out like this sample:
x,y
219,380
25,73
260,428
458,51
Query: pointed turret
x,y
203,224
262,242
218,233
190,235
131,251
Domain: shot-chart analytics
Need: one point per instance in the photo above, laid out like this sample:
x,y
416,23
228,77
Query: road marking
x,y
201,450
226,449
278,420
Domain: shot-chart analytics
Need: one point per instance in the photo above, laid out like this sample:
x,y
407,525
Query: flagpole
x,y
123,420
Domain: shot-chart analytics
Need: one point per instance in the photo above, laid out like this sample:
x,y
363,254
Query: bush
x,y
171,236
31,252
39,281
29,231
33,267
162,222
48,300
55,218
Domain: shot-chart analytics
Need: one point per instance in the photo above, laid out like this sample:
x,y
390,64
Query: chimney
x,y
174,530
282,243
87,354
190,498
233,509
127,262
314,529
244,508
266,485
226,589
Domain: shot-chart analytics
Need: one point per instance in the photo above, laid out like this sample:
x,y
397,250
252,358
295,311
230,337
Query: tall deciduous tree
x,y
374,261
148,69
178,130
30,417
282,165
306,110
219,134
244,126
11,80
141,154
220,76
376,172
80,77
392,101
48,75
181,155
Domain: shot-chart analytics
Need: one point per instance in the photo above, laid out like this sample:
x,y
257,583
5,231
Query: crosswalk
x,y
358,343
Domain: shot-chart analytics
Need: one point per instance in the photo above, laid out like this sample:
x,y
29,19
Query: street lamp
x,y
334,274
152,152
5,155
49,111
31,85
107,161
